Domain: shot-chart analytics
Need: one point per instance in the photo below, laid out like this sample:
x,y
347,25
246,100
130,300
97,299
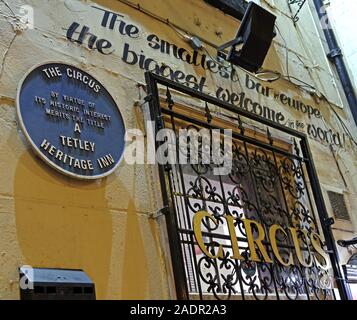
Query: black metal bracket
x,y
162,212
329,222
231,43
300,4
148,98
140,103
347,243
220,50
333,54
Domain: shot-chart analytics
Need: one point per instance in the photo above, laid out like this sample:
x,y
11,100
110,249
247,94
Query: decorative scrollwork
x,y
302,218
238,198
264,169
264,186
318,282
240,166
272,211
291,177
220,276
290,281
263,286
300,4
195,149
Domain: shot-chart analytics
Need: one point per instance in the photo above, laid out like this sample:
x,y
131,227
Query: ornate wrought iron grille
x,y
300,4
272,181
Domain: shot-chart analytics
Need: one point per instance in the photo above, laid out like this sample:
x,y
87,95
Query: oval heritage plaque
x,y
71,120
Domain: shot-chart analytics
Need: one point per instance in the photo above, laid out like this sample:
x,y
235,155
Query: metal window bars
x,y
271,181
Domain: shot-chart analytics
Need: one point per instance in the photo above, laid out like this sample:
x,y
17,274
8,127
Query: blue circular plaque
x,y
71,120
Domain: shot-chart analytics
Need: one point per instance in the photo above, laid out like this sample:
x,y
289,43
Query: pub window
x,y
264,185
292,261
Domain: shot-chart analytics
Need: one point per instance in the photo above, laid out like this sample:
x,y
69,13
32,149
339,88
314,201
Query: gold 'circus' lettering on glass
x,y
314,251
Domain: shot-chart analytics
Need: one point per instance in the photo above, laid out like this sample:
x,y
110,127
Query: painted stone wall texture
x,y
104,226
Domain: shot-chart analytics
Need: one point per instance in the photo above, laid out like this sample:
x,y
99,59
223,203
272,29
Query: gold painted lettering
x,y
234,241
258,241
298,250
199,216
316,242
272,236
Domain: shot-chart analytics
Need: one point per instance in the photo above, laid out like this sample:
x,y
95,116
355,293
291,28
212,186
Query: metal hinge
x,y
159,213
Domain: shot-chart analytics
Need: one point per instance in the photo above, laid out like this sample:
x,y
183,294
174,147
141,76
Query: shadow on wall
x,y
63,223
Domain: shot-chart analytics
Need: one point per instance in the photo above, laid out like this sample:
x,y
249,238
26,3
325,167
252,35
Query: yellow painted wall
x,y
103,227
